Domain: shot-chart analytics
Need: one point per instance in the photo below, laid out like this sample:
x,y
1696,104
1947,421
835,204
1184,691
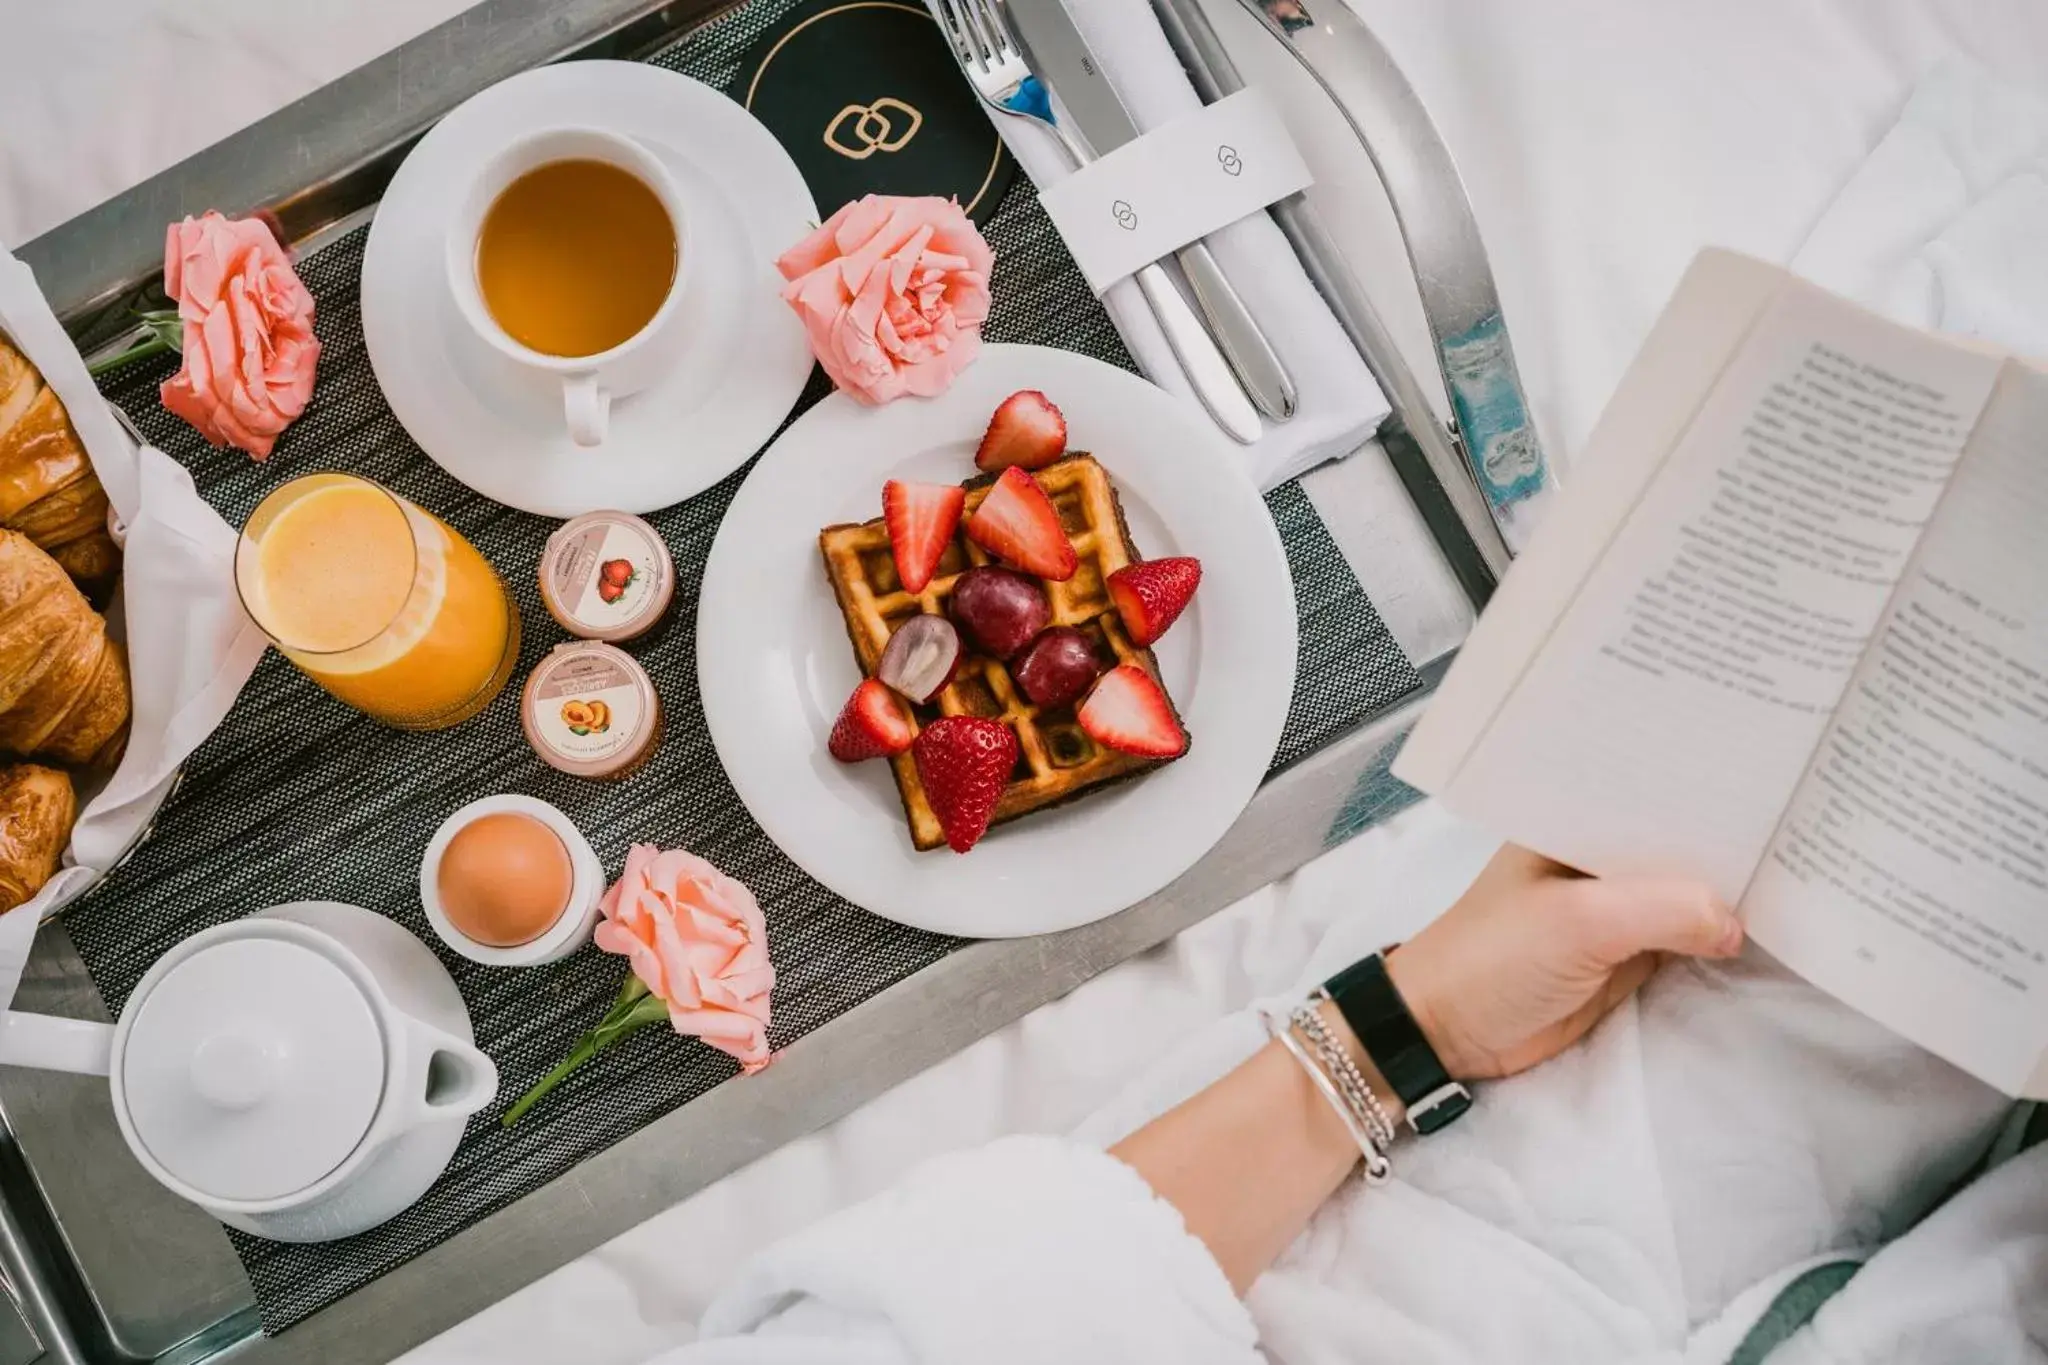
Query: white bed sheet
x,y
1602,141
100,96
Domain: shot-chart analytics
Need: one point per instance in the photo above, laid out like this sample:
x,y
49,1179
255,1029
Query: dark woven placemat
x,y
298,797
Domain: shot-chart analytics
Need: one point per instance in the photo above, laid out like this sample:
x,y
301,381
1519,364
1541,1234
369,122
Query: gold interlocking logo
x,y
887,125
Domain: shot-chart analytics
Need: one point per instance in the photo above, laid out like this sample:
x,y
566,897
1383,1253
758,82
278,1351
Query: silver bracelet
x,y
1377,1167
1337,1062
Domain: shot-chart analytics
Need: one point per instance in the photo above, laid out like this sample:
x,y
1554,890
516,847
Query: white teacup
x,y
589,383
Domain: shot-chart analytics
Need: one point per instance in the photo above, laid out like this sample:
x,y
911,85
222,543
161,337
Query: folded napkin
x,y
1944,225
190,645
1340,407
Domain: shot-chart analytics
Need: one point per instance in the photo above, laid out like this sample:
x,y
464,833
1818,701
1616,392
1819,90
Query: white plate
x,y
742,366
775,666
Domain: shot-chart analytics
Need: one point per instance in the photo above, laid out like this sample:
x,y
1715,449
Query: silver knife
x,y
1502,455
1427,456
1059,54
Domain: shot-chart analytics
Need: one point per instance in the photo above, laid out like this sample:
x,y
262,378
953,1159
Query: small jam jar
x,y
590,710
607,576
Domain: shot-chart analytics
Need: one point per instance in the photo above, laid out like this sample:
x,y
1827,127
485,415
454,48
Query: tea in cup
x,y
567,260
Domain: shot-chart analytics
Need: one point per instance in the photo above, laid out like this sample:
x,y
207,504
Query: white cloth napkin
x,y
1946,225
1340,407
190,645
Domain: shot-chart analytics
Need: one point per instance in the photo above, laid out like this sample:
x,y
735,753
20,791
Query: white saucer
x,y
774,666
742,366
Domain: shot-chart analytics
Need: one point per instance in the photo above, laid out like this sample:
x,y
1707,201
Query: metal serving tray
x,y
104,1266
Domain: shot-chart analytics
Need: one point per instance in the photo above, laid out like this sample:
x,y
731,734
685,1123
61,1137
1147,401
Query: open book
x,y
1788,632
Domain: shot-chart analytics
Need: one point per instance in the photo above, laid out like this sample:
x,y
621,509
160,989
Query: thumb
x,y
1630,916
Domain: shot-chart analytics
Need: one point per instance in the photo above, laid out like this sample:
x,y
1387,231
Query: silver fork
x,y
997,69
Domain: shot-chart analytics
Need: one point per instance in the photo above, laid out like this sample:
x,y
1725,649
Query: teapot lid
x,y
252,1069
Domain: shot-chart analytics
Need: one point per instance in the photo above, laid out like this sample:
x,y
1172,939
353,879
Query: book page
x,y
1666,719
1713,309
1910,876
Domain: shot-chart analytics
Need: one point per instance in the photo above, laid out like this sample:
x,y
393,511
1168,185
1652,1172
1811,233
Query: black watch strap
x,y
1374,1009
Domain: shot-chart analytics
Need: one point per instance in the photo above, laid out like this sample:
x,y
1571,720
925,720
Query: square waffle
x,y
1056,760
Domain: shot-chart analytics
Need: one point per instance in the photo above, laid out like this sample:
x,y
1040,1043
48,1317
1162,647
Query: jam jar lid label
x,y
606,574
589,707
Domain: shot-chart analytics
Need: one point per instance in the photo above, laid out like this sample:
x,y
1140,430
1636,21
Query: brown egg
x,y
505,879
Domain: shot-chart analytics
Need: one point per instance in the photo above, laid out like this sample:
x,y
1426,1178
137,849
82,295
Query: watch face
x,y
868,98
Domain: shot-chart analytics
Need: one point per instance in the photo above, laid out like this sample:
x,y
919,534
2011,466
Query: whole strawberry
x,y
964,763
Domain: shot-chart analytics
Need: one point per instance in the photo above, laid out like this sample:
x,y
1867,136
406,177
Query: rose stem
x,y
633,1009
156,345
164,335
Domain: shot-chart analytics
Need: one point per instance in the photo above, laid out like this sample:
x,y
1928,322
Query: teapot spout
x,y
51,1044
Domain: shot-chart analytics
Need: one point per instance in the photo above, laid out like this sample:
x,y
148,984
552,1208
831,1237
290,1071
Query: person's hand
x,y
1534,954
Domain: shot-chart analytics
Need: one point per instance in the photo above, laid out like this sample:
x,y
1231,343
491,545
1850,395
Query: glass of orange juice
x,y
377,600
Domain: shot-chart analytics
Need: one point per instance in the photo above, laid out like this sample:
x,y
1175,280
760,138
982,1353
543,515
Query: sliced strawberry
x,y
920,518
1150,596
964,763
872,725
1127,712
1017,522
1027,430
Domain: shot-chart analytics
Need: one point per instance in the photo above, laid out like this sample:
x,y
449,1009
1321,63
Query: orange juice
x,y
378,601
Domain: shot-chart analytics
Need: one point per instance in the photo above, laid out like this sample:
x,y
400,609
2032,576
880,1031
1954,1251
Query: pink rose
x,y
893,292
248,332
696,939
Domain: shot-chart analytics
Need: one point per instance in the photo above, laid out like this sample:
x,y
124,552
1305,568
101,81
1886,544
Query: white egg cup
x,y
568,933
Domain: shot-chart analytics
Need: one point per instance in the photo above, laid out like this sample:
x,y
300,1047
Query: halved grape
x,y
921,657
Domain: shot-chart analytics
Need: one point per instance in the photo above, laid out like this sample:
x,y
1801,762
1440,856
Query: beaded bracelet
x,y
1341,1069
1377,1167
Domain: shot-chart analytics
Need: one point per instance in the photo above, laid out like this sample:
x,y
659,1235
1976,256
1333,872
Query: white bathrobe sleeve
x,y
1028,1250
1968,1284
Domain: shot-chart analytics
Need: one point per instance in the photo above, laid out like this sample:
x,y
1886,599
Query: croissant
x,y
37,809
63,683
48,490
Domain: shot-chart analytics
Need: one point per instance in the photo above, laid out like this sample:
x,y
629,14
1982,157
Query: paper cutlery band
x,y
1174,185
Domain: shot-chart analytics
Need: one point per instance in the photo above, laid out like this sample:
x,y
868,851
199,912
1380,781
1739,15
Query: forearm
x,y
1521,966
1249,1160
1526,961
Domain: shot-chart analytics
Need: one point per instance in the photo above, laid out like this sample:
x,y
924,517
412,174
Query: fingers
x,y
1626,918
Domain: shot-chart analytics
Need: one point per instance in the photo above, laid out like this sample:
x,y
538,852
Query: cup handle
x,y
588,408
464,1081
52,1044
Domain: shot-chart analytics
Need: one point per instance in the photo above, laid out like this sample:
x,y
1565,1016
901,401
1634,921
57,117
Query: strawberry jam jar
x,y
607,576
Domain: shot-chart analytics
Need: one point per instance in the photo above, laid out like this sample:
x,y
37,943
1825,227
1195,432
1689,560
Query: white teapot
x,y
303,1074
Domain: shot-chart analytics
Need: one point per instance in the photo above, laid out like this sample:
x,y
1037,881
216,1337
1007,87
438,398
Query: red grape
x,y
1059,666
1000,609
